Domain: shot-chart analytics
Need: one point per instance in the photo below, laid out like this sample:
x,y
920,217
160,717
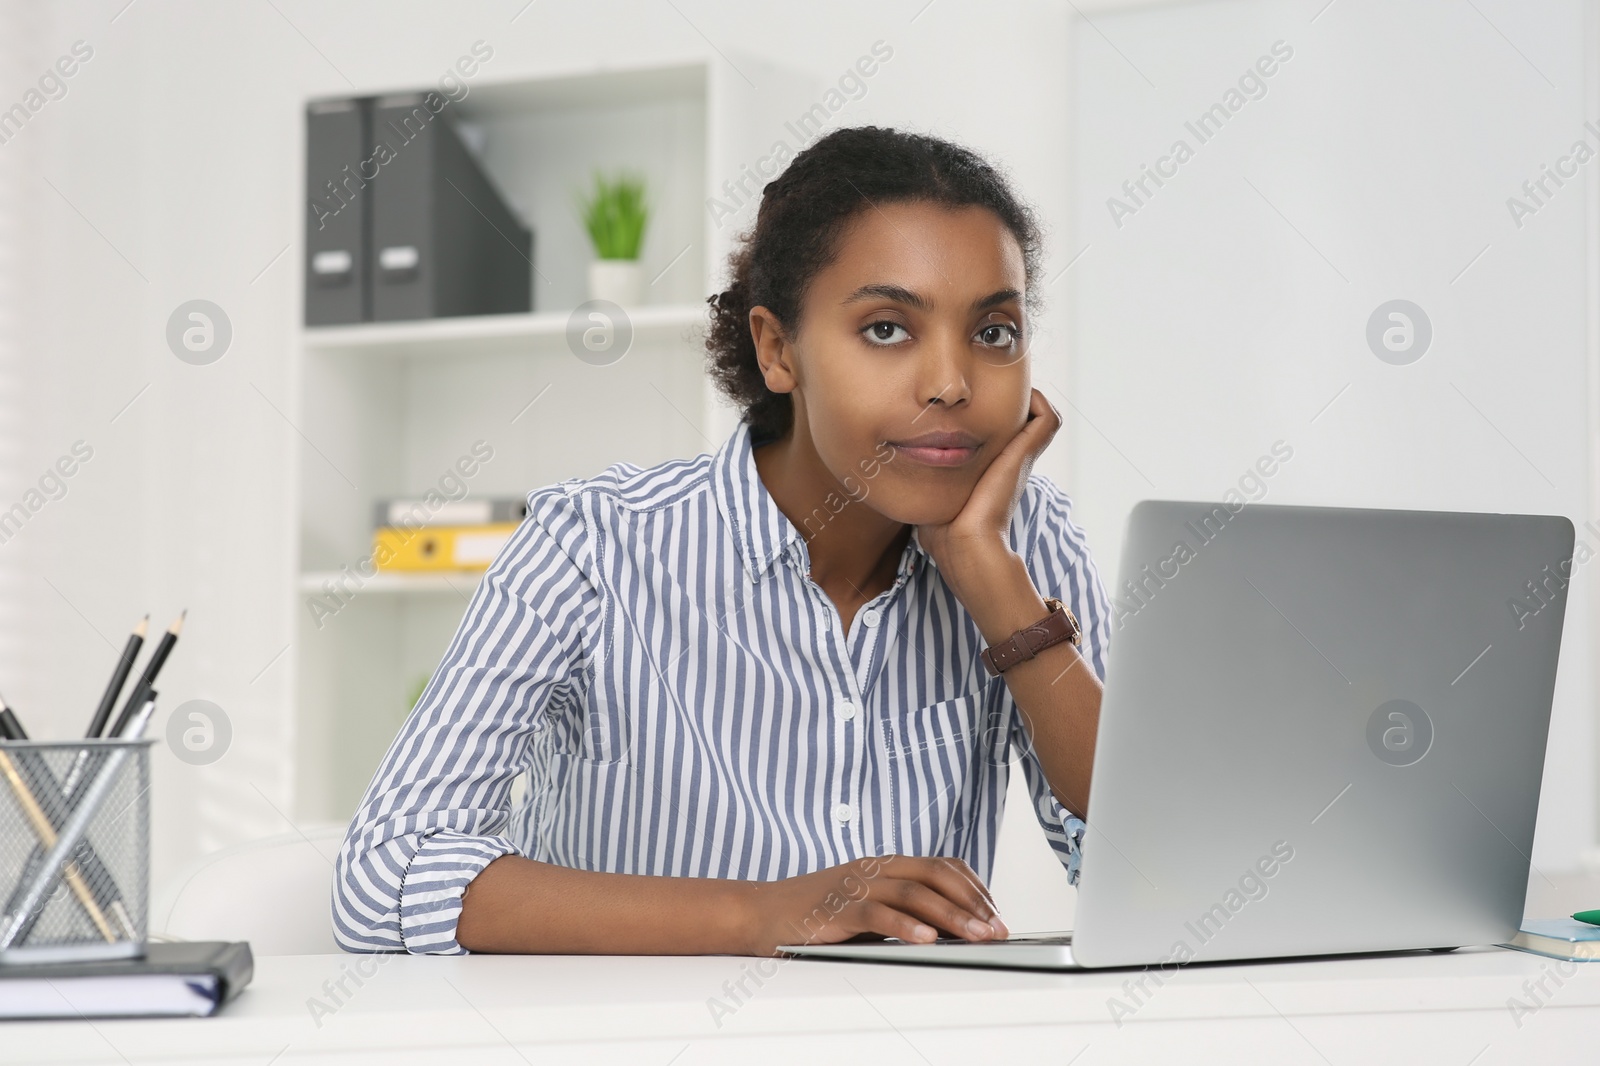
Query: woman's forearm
x,y
517,905
1056,692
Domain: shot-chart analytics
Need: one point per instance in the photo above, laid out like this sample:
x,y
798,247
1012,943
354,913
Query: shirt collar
x,y
761,530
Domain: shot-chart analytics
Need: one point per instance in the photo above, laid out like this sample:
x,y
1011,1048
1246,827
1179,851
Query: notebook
x,y
188,979
1559,938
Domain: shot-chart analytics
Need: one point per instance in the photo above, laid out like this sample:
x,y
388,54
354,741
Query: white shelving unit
x,y
387,409
540,333
461,583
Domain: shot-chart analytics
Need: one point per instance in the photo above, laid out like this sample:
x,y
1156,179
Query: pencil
x,y
119,677
158,659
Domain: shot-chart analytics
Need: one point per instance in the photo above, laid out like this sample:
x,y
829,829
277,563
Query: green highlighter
x,y
1592,917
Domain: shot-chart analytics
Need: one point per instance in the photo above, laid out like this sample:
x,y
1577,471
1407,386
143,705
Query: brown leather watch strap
x,y
1057,626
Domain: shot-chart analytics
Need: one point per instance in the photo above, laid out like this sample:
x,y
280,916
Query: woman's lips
x,y
938,449
935,456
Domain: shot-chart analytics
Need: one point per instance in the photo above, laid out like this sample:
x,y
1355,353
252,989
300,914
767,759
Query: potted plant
x,y
615,214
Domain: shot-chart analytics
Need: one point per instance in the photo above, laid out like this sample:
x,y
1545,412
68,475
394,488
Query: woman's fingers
x,y
1043,423
911,898
962,897
940,911
878,917
962,878
956,880
1002,483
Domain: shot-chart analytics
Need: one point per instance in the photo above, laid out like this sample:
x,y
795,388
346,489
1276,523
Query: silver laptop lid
x,y
1323,730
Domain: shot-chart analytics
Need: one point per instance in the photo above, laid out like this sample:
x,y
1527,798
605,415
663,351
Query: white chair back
x,y
276,893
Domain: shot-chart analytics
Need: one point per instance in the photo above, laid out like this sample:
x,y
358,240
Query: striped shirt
x,y
648,681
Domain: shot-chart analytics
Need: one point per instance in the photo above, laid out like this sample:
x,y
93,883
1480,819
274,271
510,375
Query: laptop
x,y
1323,732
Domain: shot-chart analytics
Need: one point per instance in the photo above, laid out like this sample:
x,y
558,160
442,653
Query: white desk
x,y
1413,1009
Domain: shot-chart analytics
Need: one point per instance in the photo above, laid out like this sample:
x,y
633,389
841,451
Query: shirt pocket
x,y
933,756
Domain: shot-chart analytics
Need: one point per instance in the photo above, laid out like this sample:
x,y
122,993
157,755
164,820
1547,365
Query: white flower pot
x,y
617,280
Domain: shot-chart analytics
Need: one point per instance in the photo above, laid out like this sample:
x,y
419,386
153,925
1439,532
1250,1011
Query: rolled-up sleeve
x,y
431,819
1057,557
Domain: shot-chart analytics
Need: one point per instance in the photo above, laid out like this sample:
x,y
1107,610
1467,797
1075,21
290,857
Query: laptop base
x,y
1026,951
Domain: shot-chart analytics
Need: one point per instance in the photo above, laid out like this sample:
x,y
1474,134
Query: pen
x,y
136,725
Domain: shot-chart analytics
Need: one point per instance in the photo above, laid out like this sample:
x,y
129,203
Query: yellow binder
x,y
427,548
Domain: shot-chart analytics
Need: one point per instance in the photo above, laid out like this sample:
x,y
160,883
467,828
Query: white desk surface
x,y
502,1009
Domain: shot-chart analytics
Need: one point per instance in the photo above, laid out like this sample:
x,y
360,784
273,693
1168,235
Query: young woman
x,y
745,695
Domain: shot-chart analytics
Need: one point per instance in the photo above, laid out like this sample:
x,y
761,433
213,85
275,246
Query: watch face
x,y
1077,628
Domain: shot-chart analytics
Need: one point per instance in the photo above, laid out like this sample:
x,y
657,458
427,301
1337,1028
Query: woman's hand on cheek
x,y
977,534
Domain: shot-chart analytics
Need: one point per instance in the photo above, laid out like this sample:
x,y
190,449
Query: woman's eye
x,y
999,335
885,332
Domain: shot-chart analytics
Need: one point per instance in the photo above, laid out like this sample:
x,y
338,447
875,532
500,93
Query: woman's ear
x,y
774,353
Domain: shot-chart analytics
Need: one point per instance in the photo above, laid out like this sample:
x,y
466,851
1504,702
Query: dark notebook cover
x,y
185,978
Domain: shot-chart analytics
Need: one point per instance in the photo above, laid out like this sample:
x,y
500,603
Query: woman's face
x,y
909,366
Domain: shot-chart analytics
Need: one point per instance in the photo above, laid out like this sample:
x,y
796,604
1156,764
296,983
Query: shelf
x,y
461,582
475,335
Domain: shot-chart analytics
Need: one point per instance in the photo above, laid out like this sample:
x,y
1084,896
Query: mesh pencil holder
x,y
74,850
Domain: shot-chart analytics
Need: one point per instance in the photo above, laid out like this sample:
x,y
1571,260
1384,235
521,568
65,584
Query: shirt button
x,y
843,812
845,710
869,619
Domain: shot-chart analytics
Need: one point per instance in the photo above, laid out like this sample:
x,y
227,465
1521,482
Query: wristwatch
x,y
1059,625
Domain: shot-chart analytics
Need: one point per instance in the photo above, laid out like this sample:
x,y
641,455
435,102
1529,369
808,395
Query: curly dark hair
x,y
803,212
